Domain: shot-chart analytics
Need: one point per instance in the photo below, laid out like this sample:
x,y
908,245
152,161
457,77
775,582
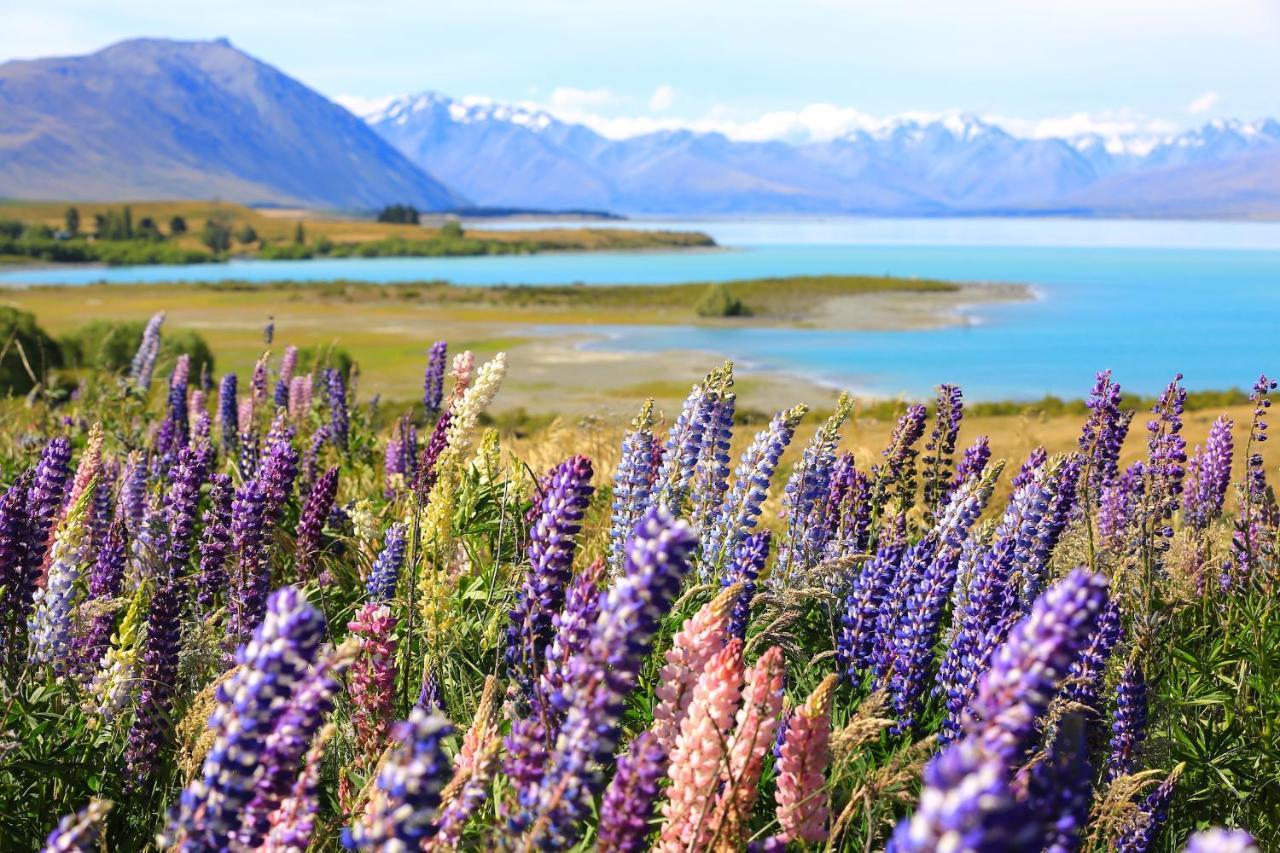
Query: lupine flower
x,y
250,703
463,371
1104,432
373,676
699,754
700,639
471,784
848,513
133,493
1128,728
941,446
1060,788
279,468
403,809
571,629
258,380
143,365
104,585
311,522
49,626
741,508
229,415
632,483
1118,505
294,821
805,753
748,562
973,461
339,420
433,381
300,390
17,578
385,573
1141,829
250,575
1246,542
710,476
856,644
80,832
1208,475
1087,672
552,542
1061,483
630,799
684,446
214,541
1221,841
425,471
112,687
288,364
896,476
804,499
45,498
605,672
1166,461
89,469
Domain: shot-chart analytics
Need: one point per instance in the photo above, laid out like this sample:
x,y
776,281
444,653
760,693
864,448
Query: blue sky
x,y
1037,65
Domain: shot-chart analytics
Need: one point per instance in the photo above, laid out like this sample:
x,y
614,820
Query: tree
x,y
216,235
10,228
719,301
452,230
73,221
401,214
247,235
299,235
177,225
27,352
148,230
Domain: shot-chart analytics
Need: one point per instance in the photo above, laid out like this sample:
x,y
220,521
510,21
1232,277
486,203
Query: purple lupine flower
x,y
287,743
100,515
973,461
393,462
288,364
1166,461
552,542
311,458
229,415
339,419
133,493
941,447
1104,432
896,476
45,498
144,360
805,498
631,797
742,506
910,570
251,572
425,477
683,447
571,629
430,696
1129,725
17,577
104,584
433,381
605,672
1061,485
258,381
403,812
385,573
249,703
848,511
710,478
1141,830
1118,505
279,468
1253,499
1085,684
855,647
300,390
632,483
1208,475
1060,788
748,562
1219,840
311,523
214,542
152,726
80,832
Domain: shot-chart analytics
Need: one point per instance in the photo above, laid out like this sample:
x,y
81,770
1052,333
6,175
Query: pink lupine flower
x,y
702,635
294,821
373,677
698,758
299,395
464,369
805,754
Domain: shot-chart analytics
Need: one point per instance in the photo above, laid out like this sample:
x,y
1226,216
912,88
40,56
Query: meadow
x,y
260,610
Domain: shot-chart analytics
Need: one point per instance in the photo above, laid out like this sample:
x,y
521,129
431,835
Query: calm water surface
x,y
1144,298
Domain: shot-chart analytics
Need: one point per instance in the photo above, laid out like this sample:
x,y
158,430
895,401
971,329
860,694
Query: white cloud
x,y
567,101
1204,103
662,98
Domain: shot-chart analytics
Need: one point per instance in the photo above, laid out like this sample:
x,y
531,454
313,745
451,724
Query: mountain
x,y
155,119
503,155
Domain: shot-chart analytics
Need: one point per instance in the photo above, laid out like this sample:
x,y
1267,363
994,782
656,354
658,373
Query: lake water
x,y
1146,299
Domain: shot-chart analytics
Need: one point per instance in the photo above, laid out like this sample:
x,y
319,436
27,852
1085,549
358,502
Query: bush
x,y
10,229
22,337
247,235
402,214
216,235
719,301
452,230
177,225
109,345
284,252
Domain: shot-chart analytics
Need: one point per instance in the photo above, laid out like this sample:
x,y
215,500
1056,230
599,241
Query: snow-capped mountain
x,y
508,155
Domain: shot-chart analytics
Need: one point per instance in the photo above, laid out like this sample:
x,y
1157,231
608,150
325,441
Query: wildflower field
x,y
237,614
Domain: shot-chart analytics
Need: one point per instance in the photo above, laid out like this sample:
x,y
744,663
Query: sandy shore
x,y
881,312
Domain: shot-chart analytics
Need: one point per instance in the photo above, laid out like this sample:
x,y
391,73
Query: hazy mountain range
x,y
153,118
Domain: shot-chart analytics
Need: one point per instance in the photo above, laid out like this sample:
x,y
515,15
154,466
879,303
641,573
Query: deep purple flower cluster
x,y
1139,833
1129,725
710,478
433,381
339,418
425,476
1166,464
973,461
857,641
1085,684
1104,432
143,366
288,364
250,575
311,523
229,415
16,575
104,584
632,796
683,447
214,541
748,562
848,511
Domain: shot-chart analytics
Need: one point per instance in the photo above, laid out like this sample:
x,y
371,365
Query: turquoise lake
x,y
1146,299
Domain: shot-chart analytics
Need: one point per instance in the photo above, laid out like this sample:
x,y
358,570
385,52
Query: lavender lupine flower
x,y
300,390
571,630
104,584
17,578
1061,484
1166,461
973,461
250,576
552,542
896,476
229,415
402,812
249,704
179,378
103,500
848,513
214,544
1221,841
425,476
1129,725
1246,541
1104,432
279,468
433,381
632,483
1141,829
605,672
940,448
1118,505
748,562
385,573
311,458
1085,684
430,696
45,498
742,506
311,522
1208,475
288,364
910,570
80,832
805,497
258,380
144,360
339,420
855,646
631,797
684,443
1060,788
711,472
50,624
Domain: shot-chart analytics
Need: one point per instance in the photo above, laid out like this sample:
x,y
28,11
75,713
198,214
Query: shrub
x,y
719,301
216,235
109,345
26,349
